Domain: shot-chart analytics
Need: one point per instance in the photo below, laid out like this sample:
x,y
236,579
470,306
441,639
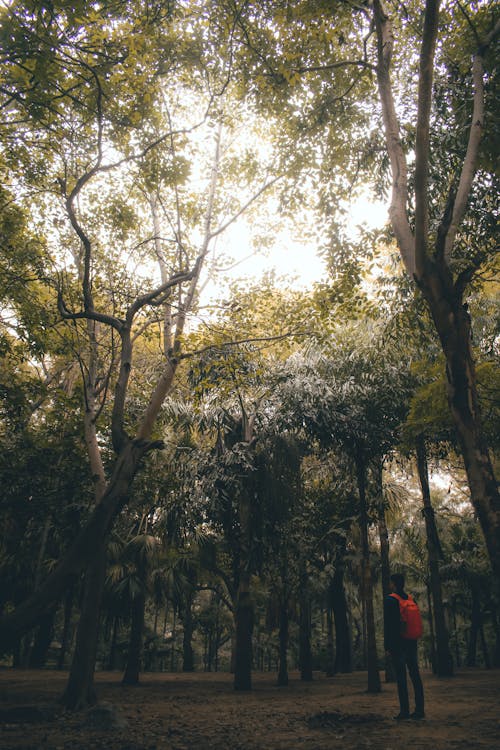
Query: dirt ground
x,y
203,712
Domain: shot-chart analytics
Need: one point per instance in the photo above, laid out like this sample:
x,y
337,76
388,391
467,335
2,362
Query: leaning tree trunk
x,y
444,662
82,548
374,685
134,656
79,691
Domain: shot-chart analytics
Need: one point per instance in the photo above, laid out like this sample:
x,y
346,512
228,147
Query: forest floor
x,y
201,711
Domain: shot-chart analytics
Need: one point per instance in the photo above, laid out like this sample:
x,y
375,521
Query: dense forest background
x,y
202,469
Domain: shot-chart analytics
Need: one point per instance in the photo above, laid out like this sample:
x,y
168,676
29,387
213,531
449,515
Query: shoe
x,y
417,715
402,717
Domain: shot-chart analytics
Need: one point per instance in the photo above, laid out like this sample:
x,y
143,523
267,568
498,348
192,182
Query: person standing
x,y
402,629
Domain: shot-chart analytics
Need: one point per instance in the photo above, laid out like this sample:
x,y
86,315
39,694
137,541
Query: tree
x,y
94,96
317,62
431,251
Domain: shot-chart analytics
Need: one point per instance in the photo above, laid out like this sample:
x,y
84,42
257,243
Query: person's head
x,y
397,582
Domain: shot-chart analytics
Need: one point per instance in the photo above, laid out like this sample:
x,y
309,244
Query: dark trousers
x,y
406,658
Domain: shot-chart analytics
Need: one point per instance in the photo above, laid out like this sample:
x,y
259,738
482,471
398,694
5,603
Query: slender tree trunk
x,y
475,624
283,642
243,643
134,657
496,628
484,646
43,639
374,685
173,661
112,647
244,612
330,647
384,561
79,691
430,608
444,662
305,653
187,637
68,609
343,649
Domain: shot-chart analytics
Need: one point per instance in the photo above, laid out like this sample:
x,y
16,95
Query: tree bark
x,y
384,562
134,657
343,649
68,609
330,648
79,691
243,640
453,325
283,643
43,639
187,637
305,653
374,685
444,662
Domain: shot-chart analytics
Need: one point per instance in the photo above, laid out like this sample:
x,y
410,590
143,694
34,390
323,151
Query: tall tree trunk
x,y
43,639
283,642
244,611
475,624
173,659
187,637
343,648
444,662
330,647
383,535
79,691
430,608
305,652
68,609
134,656
112,646
374,685
243,640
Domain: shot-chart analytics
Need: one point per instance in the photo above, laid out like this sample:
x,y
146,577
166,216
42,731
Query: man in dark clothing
x,y
403,652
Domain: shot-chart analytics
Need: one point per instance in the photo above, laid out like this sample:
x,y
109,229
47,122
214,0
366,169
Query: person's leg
x,y
399,661
412,663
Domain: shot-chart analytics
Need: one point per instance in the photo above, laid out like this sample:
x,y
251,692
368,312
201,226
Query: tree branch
x,y
399,198
422,144
470,161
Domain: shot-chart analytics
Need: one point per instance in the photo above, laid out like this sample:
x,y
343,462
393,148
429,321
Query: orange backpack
x,y
411,621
